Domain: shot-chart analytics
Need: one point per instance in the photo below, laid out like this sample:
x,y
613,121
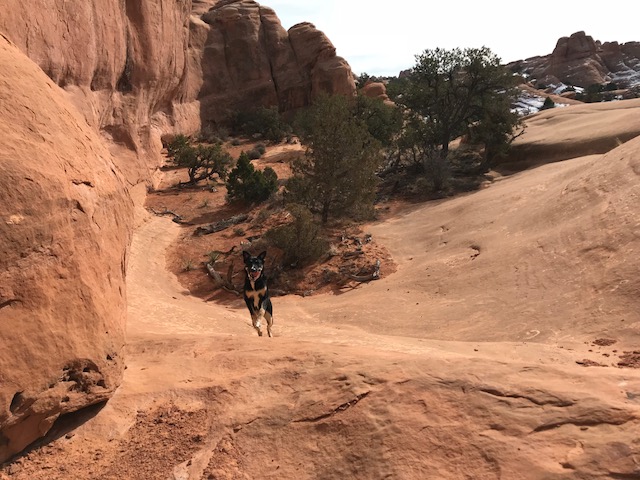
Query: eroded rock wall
x,y
138,69
248,59
65,224
123,64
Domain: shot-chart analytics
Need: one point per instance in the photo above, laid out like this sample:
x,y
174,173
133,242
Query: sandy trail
x,y
160,306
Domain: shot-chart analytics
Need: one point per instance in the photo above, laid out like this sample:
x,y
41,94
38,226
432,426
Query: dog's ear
x,y
262,255
246,255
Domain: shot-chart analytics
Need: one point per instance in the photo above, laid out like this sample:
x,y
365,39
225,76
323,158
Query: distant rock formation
x,y
65,223
248,59
581,61
376,90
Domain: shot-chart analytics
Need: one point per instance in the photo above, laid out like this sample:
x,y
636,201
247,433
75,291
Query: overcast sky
x,y
382,38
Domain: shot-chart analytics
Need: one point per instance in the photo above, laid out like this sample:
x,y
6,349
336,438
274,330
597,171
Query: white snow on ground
x,y
528,104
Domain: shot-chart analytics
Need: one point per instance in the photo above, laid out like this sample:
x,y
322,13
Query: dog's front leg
x,y
255,320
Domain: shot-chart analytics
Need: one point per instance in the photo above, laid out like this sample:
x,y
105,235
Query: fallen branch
x,y
228,252
222,282
176,218
221,225
367,278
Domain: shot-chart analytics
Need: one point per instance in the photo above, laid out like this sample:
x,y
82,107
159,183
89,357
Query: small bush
x,y
300,241
188,265
179,143
264,121
548,103
201,161
248,184
254,154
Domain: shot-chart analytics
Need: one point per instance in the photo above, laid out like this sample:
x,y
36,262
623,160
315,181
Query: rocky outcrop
x,y
248,59
582,61
65,223
376,90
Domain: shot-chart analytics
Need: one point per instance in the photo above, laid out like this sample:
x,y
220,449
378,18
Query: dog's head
x,y
254,265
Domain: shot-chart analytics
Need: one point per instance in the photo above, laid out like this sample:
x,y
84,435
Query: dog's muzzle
x,y
254,274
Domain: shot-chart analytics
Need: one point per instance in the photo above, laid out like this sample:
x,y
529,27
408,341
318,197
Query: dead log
x,y
355,253
222,282
176,218
375,275
221,225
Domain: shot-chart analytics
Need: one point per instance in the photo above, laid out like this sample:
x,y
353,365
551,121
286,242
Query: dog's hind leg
x,y
269,318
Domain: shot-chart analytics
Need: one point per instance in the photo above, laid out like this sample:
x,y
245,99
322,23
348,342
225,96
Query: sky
x,y
383,38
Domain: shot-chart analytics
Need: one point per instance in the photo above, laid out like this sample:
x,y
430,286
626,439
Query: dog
x,y
256,291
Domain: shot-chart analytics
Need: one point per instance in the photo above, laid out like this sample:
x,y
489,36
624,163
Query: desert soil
x,y
482,353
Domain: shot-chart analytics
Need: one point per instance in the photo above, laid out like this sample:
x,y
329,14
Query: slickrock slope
x,y
608,124
65,225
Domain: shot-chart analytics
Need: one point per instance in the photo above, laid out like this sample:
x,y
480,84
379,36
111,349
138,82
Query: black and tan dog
x,y
256,291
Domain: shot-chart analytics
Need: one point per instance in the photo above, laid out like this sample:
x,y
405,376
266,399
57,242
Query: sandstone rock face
x,y
122,63
249,60
575,59
140,69
582,61
65,220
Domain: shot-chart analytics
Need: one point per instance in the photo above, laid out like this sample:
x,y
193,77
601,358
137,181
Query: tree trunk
x,y
325,211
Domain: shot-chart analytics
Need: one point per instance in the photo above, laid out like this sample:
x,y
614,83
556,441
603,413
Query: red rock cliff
x,y
65,223
248,59
140,68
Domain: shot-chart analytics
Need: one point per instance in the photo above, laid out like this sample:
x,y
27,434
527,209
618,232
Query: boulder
x,y
65,225
376,90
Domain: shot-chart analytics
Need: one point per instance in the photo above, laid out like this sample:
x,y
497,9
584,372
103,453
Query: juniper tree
x,y
337,174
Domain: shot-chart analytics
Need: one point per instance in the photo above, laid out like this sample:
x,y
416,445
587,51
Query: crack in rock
x,y
339,409
554,401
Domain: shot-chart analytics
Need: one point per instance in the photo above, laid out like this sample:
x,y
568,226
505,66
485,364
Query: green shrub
x,y
301,241
201,161
179,143
548,103
253,154
262,121
250,185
